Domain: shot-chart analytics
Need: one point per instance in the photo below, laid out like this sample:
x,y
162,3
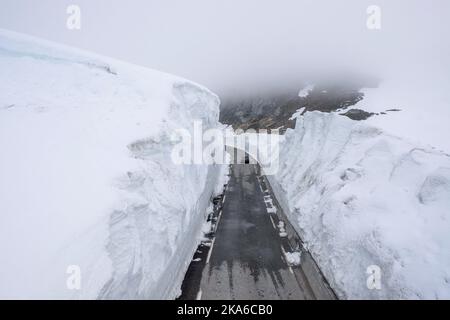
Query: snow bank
x,y
86,177
304,92
421,103
361,197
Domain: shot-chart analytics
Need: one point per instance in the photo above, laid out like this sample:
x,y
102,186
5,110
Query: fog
x,y
240,46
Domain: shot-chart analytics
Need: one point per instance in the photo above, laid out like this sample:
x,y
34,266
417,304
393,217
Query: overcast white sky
x,y
231,44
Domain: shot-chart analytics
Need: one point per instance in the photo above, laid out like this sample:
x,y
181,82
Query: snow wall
x,y
359,198
91,205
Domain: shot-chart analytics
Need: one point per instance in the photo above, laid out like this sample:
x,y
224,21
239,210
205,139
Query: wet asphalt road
x,y
246,260
242,257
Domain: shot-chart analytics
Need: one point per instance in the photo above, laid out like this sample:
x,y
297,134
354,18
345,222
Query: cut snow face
x,y
91,204
364,200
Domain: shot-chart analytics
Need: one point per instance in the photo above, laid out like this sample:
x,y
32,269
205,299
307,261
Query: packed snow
x,y
360,197
304,92
86,177
417,105
293,258
297,113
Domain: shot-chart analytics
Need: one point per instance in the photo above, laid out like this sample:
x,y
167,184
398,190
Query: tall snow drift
x,y
360,197
86,179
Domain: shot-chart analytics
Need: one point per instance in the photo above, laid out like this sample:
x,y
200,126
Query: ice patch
x,y
293,258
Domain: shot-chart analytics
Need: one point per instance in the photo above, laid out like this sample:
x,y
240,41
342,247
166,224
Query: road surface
x,y
245,259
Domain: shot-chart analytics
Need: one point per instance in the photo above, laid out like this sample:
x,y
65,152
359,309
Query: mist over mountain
x,y
234,46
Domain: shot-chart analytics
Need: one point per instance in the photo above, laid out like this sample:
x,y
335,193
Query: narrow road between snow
x,y
246,258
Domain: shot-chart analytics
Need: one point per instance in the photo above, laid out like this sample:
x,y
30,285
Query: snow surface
x,y
359,196
86,177
304,92
297,113
424,104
